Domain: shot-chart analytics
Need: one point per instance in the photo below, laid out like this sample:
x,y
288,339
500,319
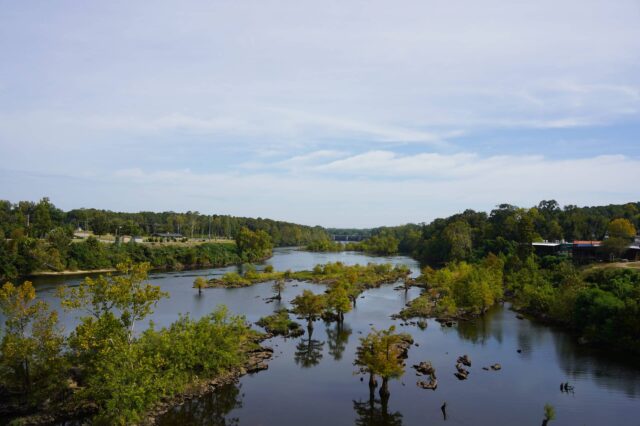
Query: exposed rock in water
x,y
496,367
425,368
465,360
431,384
461,376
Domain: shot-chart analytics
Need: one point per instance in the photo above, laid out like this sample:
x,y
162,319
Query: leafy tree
x,y
309,306
253,246
128,293
200,283
31,360
42,223
620,233
458,237
337,301
381,354
549,414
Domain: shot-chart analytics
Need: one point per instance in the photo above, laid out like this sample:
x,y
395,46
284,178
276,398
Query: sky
x,y
332,113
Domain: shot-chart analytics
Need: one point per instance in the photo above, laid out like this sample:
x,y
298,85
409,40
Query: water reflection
x,y
210,410
308,352
375,412
610,372
337,339
480,330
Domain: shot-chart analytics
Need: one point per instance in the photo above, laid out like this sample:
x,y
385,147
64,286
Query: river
x,y
311,382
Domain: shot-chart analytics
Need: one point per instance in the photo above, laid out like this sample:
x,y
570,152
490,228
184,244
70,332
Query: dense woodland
x,y
39,237
507,229
39,219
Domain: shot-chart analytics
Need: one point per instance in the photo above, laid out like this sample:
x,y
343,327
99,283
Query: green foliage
x,y
309,305
381,353
128,293
549,412
31,361
253,246
383,244
338,301
459,288
325,245
130,378
280,324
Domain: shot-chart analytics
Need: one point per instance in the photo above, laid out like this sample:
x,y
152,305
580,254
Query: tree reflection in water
x,y
308,353
376,413
337,339
209,410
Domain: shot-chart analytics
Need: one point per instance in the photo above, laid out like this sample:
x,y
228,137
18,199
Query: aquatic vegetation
x,y
280,324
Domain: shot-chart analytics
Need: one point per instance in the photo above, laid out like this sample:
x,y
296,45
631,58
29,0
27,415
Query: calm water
x,y
311,382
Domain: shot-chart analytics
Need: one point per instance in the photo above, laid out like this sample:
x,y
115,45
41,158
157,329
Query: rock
x,y
431,384
465,360
519,351
520,317
496,367
425,368
485,368
461,376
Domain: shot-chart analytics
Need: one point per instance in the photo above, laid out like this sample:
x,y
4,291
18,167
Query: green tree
x,y
31,360
381,353
127,293
200,283
458,237
42,218
338,302
253,246
620,233
309,306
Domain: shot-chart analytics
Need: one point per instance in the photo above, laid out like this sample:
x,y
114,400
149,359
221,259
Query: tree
x,y
309,306
278,288
128,293
381,353
42,218
621,228
338,301
620,233
458,236
549,414
200,283
253,246
31,349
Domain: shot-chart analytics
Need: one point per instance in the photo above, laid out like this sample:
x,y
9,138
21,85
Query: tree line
x,y
507,229
22,255
39,219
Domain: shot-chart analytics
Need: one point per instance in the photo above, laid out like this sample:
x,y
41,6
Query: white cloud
x,y
414,188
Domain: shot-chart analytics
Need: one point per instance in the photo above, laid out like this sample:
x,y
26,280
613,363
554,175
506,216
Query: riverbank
x,y
256,362
79,410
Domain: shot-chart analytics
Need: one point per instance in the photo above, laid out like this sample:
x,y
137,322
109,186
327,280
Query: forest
x,y
36,220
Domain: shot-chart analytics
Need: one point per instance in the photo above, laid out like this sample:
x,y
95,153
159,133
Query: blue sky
x,y
336,113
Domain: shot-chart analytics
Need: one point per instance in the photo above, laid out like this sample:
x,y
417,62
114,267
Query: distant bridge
x,y
345,237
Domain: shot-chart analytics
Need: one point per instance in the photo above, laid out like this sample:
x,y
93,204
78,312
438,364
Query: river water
x,y
311,381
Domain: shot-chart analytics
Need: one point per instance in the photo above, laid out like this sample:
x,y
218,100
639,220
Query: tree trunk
x,y
384,389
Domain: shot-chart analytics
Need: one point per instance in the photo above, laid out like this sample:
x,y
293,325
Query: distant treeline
x,y
507,229
38,219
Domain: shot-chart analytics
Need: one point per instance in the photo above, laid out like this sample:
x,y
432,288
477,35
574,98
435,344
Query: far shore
x,y
68,272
